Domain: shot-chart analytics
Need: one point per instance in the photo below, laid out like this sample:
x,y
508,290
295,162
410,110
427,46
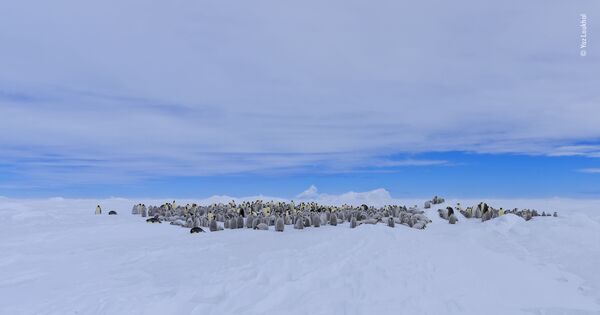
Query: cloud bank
x,y
126,90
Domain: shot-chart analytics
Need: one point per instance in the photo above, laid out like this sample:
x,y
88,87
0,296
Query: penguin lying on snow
x,y
196,230
153,220
262,227
112,212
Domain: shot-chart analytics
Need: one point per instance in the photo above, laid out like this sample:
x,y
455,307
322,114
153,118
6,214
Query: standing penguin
x,y
144,213
452,219
450,211
390,222
212,226
316,220
299,223
279,224
98,209
353,222
333,219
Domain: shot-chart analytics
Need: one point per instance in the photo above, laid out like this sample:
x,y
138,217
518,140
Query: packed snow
x,y
57,257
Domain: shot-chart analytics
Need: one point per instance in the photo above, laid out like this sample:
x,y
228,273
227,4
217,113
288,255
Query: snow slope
x,y
57,257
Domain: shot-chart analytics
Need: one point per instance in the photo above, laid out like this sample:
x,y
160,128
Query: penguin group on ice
x,y
484,212
261,215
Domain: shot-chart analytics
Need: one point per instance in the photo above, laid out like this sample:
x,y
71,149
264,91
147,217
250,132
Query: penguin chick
x,y
353,222
262,227
390,222
452,219
279,224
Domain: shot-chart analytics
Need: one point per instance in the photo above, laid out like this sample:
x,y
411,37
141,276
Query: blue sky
x,y
194,98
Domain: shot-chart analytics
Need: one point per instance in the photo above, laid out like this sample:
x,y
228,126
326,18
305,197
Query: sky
x,y
187,98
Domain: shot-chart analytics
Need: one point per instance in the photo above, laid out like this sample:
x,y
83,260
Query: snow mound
x,y
60,258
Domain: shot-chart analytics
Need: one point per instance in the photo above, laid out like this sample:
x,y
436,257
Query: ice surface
x,y
57,257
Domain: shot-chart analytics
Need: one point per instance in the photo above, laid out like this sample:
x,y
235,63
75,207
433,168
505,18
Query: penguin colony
x,y
263,216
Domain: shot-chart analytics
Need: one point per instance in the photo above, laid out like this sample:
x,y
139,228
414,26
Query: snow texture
x,y
60,258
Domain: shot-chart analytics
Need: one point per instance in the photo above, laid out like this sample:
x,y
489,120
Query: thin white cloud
x,y
590,170
210,87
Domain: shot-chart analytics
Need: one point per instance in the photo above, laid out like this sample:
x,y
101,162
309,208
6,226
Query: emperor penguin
x,y
420,225
477,214
144,213
299,223
249,221
135,210
153,220
390,222
98,209
262,227
112,212
316,220
212,226
353,222
196,229
279,224
240,222
333,219
452,219
255,222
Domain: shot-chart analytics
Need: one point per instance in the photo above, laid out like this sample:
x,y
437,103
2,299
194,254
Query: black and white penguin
x,y
450,211
112,212
196,229
153,220
240,222
98,209
390,222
